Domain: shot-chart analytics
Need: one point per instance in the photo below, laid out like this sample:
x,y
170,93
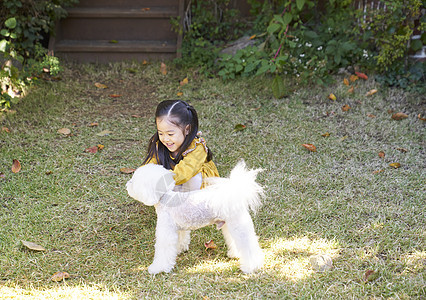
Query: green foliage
x,y
391,29
26,23
212,24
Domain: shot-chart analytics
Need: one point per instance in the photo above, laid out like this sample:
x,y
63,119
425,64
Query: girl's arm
x,y
190,165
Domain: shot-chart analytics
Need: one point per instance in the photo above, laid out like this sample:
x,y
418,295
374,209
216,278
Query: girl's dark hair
x,y
180,114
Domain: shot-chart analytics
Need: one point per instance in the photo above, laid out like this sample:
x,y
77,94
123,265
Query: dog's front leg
x,y
166,242
184,240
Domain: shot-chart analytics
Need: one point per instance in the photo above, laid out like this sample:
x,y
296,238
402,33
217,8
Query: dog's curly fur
x,y
225,202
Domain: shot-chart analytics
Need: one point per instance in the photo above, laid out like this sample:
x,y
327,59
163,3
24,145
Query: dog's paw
x,y
156,268
233,253
253,265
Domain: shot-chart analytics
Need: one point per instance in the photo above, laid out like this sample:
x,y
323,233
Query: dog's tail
x,y
239,191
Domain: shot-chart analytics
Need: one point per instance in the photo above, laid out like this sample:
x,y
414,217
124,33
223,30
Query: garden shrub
x,y
24,25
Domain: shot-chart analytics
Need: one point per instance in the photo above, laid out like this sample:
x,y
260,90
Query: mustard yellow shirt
x,y
194,161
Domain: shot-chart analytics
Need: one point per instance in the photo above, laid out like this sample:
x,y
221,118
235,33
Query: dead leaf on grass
x,y
33,246
93,149
403,150
420,117
371,92
2,175
346,107
163,69
378,171
184,81
310,147
127,170
59,276
382,154
5,129
395,165
361,75
327,134
94,124
321,263
345,81
371,116
399,116
353,78
64,131
115,95
16,166
100,85
210,245
370,275
332,97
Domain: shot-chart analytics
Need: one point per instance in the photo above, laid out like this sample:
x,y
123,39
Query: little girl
x,y
178,146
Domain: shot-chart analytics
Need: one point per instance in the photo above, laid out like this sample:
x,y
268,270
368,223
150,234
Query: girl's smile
x,y
170,135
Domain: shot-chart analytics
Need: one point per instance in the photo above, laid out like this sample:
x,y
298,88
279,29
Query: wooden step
x,y
113,30
151,12
116,46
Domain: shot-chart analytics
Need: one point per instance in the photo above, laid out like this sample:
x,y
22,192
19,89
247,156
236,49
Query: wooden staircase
x,y
117,30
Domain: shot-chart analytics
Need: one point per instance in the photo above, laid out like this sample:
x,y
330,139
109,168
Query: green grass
x,y
330,202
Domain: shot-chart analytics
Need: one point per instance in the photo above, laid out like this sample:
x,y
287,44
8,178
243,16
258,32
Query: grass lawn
x,y
344,200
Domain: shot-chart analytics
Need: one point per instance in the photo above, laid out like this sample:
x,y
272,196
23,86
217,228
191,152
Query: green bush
x,y
25,23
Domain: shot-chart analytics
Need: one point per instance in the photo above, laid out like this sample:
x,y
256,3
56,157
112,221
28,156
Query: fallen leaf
x,y
371,115
310,147
239,127
403,150
390,111
163,69
48,172
145,9
100,85
382,154
33,246
127,170
351,90
343,138
378,171
94,124
210,245
321,263
184,81
327,134
332,97
16,166
145,62
346,107
64,131
346,81
100,147
399,116
395,165
93,149
136,116
361,75
179,94
115,96
5,129
371,92
59,276
2,175
370,275
418,116
353,78
253,36
104,133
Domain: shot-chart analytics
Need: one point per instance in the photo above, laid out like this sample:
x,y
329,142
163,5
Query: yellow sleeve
x,y
151,161
190,165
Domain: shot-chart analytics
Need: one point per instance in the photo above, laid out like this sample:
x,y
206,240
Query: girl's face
x,y
170,135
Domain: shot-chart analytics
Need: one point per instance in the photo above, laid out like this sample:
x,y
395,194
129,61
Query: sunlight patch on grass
x,y
61,291
213,266
291,257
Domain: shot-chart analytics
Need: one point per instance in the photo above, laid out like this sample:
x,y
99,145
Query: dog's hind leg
x,y
166,243
241,229
184,238
230,243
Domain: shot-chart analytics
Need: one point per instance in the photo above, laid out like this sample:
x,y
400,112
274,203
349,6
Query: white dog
x,y
224,202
